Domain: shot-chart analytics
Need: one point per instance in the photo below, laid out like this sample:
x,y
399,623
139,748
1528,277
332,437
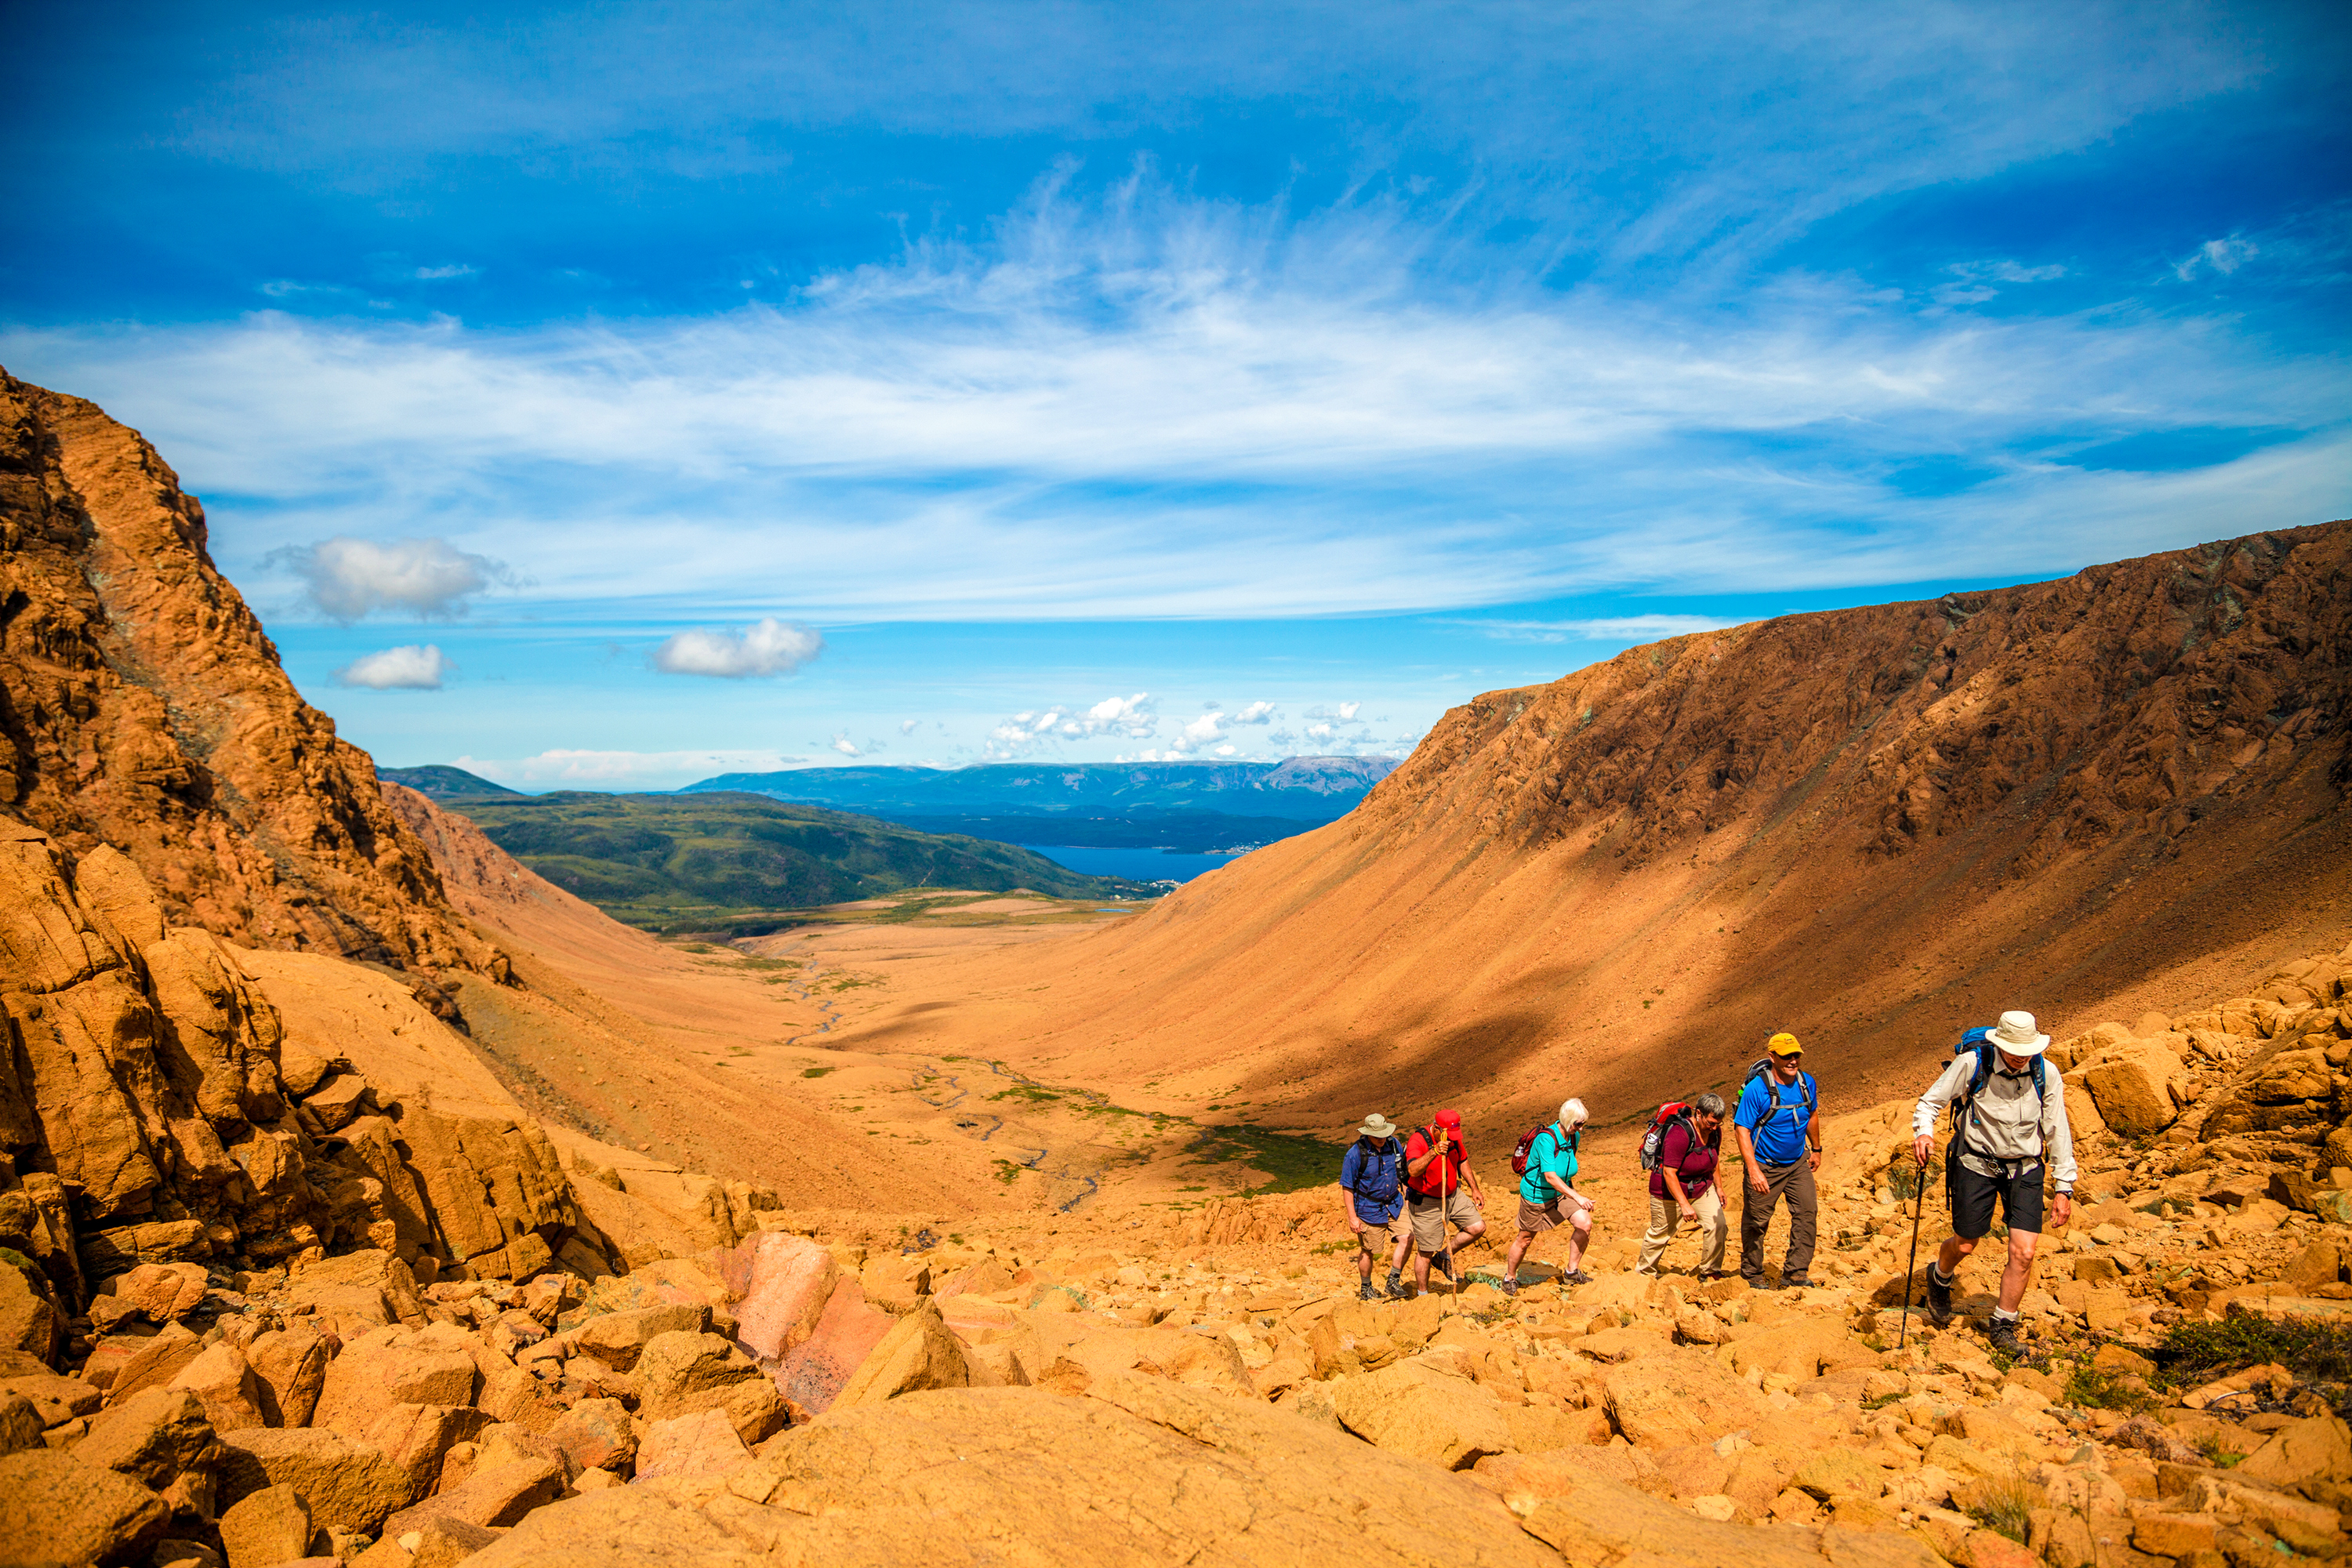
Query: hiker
x,y
1548,1198
1435,1172
1781,1148
2010,1114
1372,1175
1682,1187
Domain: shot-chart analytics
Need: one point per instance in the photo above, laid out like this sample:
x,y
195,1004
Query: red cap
x,y
1449,1119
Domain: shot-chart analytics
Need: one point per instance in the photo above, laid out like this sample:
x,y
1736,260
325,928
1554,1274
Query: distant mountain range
x,y
1306,790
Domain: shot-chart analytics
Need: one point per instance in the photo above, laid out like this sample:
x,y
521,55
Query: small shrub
x,y
817,1072
2315,1350
2218,1454
2004,1506
2090,1388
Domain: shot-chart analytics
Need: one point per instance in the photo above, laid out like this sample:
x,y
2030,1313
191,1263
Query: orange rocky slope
x,y
1873,826
142,706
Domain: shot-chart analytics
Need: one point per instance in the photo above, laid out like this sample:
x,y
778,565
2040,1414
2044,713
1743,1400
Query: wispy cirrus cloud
x,y
1144,404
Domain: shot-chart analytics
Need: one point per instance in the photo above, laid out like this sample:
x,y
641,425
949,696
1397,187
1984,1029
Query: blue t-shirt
x,y
1374,1174
1552,1151
1780,1134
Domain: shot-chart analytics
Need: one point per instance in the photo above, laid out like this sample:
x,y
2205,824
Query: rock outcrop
x,y
143,707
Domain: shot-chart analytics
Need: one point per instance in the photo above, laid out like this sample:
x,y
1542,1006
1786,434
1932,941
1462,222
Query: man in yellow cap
x,y
1780,1146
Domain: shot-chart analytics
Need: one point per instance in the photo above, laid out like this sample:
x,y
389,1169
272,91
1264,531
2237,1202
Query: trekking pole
x,y
1445,1214
1911,1271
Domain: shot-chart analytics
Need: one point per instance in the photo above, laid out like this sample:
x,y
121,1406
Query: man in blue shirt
x,y
1780,1146
1371,1177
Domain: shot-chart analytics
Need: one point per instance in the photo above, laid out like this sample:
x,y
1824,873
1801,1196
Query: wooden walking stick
x,y
1446,1210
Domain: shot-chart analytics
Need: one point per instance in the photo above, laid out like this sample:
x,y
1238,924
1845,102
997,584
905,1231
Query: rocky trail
x,y
654,1368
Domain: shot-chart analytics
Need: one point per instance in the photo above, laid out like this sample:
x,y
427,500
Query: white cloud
x,y
770,648
2222,255
346,578
842,743
585,769
1198,735
1344,712
908,726
412,668
442,274
1627,629
1033,730
1152,404
1256,713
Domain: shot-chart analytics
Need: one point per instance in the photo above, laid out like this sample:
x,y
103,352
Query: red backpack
x,y
1654,1141
1527,1142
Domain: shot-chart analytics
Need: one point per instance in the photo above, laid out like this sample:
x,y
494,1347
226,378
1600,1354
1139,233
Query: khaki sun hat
x,y
1377,1127
2016,1035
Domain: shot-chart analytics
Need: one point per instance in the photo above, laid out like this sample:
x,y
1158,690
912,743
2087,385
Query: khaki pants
x,y
1794,1182
1664,1216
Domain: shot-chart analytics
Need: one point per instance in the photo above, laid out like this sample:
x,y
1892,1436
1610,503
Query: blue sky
x,y
615,394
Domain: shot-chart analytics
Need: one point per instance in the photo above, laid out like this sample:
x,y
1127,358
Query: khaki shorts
x,y
1536,1219
1380,1237
1430,1216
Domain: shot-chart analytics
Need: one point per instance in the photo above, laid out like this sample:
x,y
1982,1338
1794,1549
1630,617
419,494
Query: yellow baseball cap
x,y
1784,1045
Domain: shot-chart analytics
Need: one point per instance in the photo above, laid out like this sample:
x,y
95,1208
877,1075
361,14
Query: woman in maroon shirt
x,y
1682,1187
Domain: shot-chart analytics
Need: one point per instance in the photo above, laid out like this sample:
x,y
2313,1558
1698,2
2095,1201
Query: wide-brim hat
x,y
1377,1127
2017,1034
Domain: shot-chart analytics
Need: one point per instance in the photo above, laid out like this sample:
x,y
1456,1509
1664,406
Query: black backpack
x,y
1763,1069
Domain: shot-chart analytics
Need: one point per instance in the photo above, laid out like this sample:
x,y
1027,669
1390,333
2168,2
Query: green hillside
x,y
444,783
739,864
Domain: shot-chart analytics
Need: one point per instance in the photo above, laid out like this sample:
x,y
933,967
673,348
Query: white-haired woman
x,y
1683,1188
1549,1198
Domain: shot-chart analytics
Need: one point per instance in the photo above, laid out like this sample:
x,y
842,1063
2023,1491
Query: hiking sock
x,y
1939,1277
2000,1316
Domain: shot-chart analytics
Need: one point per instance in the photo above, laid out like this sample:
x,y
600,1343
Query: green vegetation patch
x,y
2316,1350
743,865
2091,1389
1292,1161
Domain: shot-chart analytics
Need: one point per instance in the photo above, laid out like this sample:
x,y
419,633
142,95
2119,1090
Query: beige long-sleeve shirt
x,y
2005,1123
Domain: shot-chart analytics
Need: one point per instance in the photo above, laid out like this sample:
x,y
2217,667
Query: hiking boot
x,y
1508,1287
1443,1263
1576,1276
1939,1299
2001,1336
1399,1289
1367,1291
1800,1283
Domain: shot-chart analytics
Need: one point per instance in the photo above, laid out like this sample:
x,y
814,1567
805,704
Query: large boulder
x,y
348,1485
492,1497
680,1374
370,1285
289,1368
617,1339
918,1354
367,1380
152,1437
58,1512
1412,1410
812,1374
225,1384
266,1527
781,1283
1683,1395
2133,1089
703,1444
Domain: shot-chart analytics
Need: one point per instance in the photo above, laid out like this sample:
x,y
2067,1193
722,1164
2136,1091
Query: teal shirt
x,y
1553,1151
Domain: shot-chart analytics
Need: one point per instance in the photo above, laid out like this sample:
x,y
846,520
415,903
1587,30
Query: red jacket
x,y
1426,1184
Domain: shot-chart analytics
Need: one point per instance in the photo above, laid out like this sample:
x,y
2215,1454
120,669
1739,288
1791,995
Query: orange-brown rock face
x,y
141,706
1873,826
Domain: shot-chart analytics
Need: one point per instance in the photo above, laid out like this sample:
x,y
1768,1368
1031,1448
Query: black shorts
x,y
1973,1195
